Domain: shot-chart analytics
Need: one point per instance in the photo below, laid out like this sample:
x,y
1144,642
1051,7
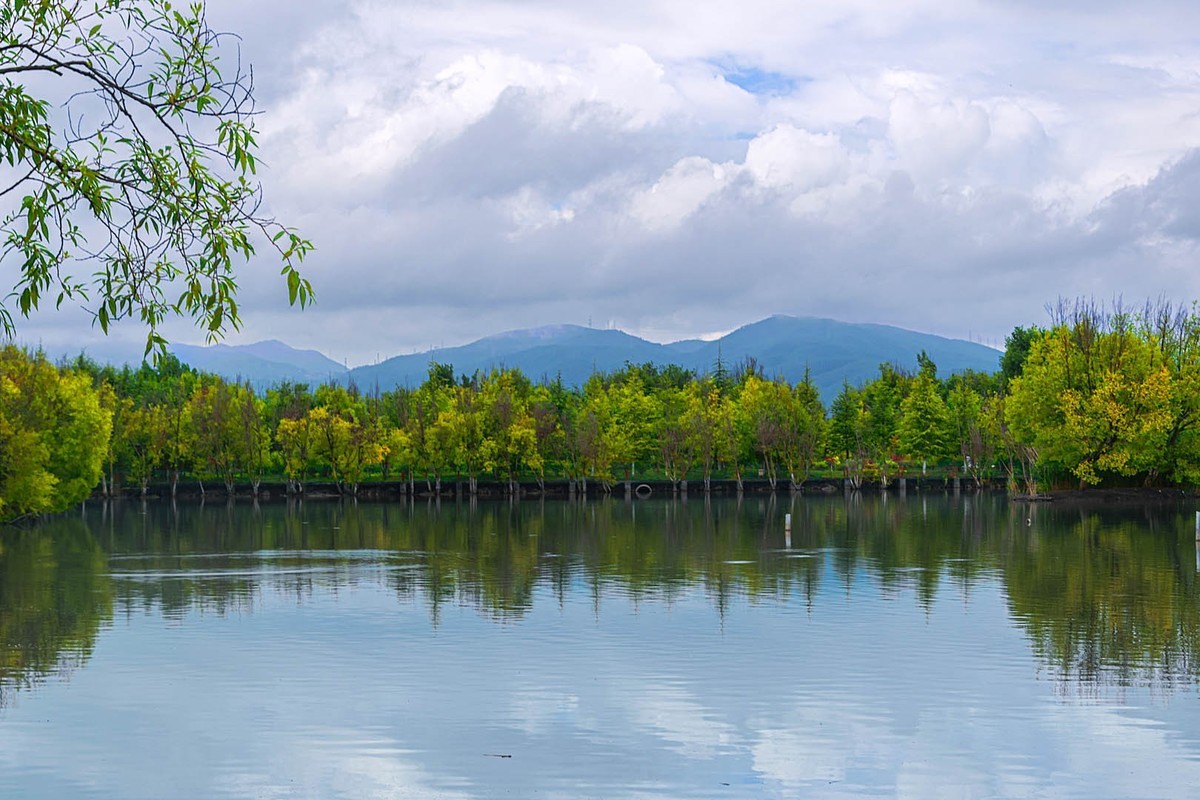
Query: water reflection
x,y
54,598
1108,597
1103,597
645,649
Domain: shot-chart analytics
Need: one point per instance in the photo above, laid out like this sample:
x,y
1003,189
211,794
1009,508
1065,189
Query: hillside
x,y
263,364
833,352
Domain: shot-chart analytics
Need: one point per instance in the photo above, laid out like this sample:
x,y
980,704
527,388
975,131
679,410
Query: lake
x,y
920,646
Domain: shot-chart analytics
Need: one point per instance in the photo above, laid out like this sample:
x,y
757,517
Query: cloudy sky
x,y
677,169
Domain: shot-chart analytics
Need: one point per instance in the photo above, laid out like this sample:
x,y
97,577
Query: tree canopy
x,y
1101,398
54,431
128,152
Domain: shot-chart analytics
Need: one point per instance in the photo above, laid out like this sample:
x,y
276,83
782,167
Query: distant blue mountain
x,y
263,364
784,346
833,352
570,351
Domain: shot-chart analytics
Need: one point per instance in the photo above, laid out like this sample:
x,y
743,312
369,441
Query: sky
x,y
678,169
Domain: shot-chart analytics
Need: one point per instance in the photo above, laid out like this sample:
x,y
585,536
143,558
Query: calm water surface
x,y
892,647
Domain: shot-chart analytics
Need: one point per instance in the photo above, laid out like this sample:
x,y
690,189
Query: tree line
x,y
1102,394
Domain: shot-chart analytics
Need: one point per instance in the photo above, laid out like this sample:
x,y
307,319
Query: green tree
x,y
344,446
1093,402
174,424
676,431
703,401
253,435
510,441
140,445
130,149
1016,350
549,407
849,431
394,449
466,423
804,431
1018,458
763,407
616,426
295,438
1175,332
635,415
212,433
966,435
883,397
924,430
728,432
430,431
26,484
54,434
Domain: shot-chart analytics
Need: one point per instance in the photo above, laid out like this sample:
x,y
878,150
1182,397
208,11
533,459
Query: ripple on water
x,y
681,654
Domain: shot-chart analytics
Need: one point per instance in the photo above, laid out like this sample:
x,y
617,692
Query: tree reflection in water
x,y
1103,596
55,595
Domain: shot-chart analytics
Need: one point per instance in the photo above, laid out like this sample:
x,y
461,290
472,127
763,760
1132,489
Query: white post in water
x,y
787,531
1198,526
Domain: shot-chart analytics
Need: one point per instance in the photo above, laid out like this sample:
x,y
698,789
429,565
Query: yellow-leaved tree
x,y
54,435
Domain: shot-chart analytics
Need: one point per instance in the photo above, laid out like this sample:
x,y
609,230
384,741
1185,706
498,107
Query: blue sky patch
x,y
762,82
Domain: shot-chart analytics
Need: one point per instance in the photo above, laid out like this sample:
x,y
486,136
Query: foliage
x,y
54,434
1016,350
924,431
1102,397
1094,403
128,149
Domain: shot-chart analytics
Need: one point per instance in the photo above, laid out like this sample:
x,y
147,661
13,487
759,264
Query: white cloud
x,y
675,715
678,193
939,165
936,140
530,212
788,159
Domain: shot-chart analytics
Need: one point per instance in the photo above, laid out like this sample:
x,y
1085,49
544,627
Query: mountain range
x,y
832,351
262,363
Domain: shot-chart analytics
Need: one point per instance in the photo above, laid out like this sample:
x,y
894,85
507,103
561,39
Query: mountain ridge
x,y
262,363
783,345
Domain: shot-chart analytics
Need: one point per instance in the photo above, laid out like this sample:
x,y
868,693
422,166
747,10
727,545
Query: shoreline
x,y
452,489
1135,495
563,489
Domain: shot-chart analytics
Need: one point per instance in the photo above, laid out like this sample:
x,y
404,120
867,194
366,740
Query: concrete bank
x,y
451,489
